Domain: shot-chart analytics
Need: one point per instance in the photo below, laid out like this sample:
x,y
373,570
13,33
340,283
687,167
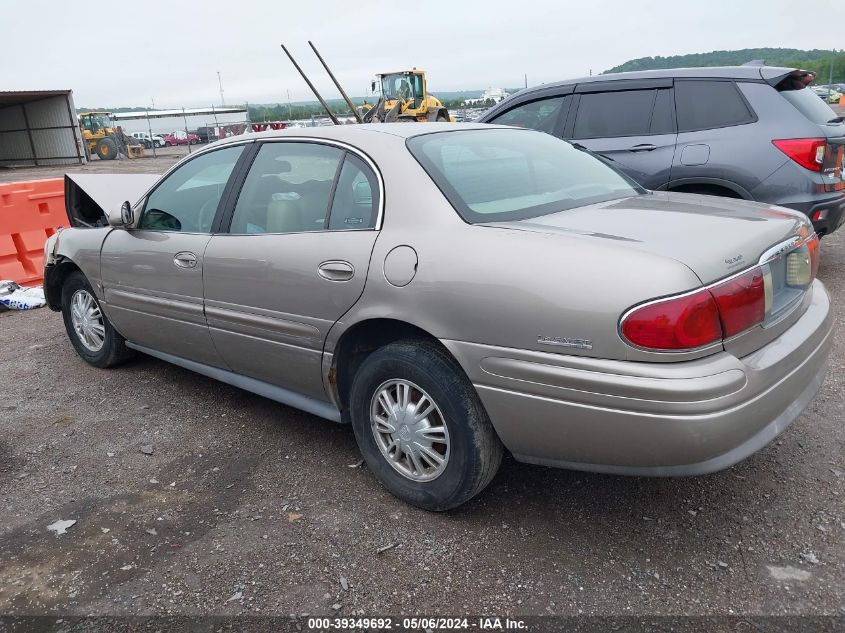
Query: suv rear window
x,y
498,175
810,105
704,105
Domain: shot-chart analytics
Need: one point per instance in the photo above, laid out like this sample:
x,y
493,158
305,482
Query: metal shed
x,y
39,127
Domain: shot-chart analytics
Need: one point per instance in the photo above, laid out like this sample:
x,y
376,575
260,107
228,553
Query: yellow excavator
x,y
104,139
403,96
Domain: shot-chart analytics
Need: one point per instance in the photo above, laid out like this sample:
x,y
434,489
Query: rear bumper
x,y
827,214
655,419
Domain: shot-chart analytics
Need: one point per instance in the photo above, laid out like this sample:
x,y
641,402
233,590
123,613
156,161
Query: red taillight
x,y
741,301
700,318
682,322
807,152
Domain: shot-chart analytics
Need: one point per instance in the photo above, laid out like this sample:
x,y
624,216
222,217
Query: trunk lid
x,y
714,237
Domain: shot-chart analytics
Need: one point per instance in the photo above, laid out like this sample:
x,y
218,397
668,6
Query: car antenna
x,y
336,83
313,89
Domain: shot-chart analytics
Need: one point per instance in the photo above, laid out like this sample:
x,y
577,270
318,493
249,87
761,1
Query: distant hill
x,y
818,60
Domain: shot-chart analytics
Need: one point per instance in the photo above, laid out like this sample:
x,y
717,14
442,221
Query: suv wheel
x,y
90,332
421,427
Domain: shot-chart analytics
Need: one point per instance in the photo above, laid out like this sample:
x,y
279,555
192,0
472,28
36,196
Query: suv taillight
x,y
807,152
722,310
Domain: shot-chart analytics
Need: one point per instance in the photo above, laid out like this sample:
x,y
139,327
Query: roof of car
x,y
714,72
350,132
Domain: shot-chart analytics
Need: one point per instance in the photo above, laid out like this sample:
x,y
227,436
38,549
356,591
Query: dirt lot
x,y
149,164
248,507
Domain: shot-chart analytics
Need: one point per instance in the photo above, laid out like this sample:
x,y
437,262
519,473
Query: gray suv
x,y
751,132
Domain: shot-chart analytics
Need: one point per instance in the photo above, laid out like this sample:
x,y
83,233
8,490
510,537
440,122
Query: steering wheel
x,y
206,215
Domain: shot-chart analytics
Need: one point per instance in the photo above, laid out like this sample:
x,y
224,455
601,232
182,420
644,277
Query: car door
x,y
294,259
718,142
634,127
152,274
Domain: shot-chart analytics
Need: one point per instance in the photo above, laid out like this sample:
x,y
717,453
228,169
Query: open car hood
x,y
88,197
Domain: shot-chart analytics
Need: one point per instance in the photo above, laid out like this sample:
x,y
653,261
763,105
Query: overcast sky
x,y
178,46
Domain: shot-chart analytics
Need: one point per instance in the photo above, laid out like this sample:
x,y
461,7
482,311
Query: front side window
x,y
187,200
609,114
498,175
295,187
536,115
704,105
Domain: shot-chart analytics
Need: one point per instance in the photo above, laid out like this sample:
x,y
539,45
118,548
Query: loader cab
x,y
405,85
96,122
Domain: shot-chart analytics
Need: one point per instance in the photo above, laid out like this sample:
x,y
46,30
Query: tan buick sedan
x,y
454,291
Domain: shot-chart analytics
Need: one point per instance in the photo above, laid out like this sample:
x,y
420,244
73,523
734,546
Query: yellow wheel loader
x,y
403,97
104,139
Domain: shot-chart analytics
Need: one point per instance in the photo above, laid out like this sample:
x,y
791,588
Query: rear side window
x,y
537,115
607,114
810,105
703,105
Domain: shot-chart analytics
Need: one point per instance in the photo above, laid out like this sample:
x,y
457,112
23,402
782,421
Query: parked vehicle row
x,y
513,292
149,141
749,132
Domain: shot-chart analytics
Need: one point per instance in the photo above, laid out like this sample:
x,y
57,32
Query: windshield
x,y
499,174
810,105
97,121
401,86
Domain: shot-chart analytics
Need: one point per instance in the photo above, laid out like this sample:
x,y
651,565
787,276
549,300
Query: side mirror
x,y
373,87
124,216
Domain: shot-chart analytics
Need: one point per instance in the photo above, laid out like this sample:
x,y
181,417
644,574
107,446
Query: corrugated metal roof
x,y
14,97
161,114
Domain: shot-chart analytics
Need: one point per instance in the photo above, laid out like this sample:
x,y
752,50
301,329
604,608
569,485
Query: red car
x,y
172,139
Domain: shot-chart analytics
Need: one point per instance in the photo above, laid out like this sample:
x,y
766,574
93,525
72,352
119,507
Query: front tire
x,y
421,427
107,149
88,329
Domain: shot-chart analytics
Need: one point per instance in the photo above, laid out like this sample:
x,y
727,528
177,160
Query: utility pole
x,y
220,83
526,80
290,116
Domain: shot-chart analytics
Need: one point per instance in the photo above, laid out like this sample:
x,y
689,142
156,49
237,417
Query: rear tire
x,y
464,457
88,328
107,149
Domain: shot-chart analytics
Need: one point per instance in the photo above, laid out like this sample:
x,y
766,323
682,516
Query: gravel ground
x,y
166,156
248,507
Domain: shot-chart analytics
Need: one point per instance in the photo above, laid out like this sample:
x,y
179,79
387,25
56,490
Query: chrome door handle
x,y
185,259
643,147
336,270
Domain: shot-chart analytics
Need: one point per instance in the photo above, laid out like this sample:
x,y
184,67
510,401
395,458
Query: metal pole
x,y
187,138
830,80
152,140
336,83
220,83
313,89
74,128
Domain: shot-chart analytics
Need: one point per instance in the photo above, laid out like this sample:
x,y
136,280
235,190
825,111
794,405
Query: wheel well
x,y
361,340
54,280
707,189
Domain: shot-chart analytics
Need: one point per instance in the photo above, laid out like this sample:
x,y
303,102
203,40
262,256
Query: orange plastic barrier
x,y
30,212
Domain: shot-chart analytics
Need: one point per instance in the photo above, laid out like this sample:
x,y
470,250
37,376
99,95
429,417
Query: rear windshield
x,y
499,174
810,105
